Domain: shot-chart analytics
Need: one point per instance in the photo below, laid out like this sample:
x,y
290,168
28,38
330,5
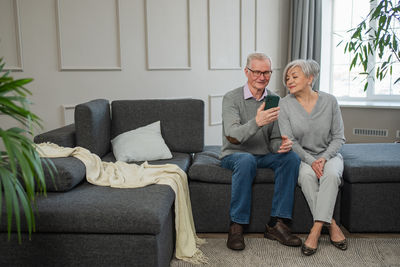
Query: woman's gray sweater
x,y
315,135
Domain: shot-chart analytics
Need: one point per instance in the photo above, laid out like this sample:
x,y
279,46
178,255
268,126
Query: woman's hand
x,y
286,145
318,167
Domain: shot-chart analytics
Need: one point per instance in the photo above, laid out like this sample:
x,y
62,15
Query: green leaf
x,y
346,46
2,65
26,172
51,168
365,86
382,21
370,51
353,62
26,206
376,11
384,65
8,187
357,34
9,150
381,48
387,40
17,214
16,84
377,72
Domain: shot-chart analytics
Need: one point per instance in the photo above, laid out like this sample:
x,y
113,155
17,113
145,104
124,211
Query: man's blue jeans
x,y
244,166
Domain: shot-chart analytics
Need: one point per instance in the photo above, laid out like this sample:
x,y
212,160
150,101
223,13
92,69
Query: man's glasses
x,y
258,73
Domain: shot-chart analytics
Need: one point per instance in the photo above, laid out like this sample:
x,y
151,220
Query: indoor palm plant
x,y
376,36
21,172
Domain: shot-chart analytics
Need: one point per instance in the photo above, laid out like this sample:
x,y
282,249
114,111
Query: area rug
x,y
264,252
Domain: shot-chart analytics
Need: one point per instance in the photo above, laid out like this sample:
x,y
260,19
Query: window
x,y
345,84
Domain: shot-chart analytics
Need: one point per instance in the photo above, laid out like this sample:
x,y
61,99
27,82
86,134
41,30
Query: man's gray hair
x,y
308,66
258,56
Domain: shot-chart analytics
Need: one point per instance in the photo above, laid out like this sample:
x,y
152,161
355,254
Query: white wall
x,y
136,49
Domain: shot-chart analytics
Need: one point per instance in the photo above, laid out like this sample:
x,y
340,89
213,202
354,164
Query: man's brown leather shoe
x,y
235,237
281,232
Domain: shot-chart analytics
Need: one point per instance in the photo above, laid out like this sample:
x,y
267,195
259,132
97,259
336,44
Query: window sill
x,y
369,104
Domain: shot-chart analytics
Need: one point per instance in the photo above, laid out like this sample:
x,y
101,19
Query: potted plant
x,y
377,35
21,172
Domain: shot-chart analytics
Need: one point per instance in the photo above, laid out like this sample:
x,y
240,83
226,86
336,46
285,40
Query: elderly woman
x,y
313,121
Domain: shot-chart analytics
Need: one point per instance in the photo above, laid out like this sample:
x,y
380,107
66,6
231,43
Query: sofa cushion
x,y
182,120
207,168
93,126
70,172
143,143
183,160
373,162
99,209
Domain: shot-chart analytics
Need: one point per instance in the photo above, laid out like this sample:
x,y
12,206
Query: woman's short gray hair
x,y
258,56
308,66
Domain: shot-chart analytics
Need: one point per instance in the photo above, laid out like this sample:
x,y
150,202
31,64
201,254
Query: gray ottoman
x,y
371,191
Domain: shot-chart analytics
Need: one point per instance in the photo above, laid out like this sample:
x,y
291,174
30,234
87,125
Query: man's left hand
x,y
286,145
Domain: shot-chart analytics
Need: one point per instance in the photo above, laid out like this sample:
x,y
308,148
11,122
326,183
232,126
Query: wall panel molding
x,y
215,109
268,37
169,18
12,39
68,113
249,19
225,35
88,37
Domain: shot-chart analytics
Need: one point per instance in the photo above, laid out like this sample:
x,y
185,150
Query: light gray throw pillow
x,y
141,144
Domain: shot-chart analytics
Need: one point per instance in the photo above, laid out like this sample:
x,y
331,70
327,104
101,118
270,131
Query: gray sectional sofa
x,y
80,224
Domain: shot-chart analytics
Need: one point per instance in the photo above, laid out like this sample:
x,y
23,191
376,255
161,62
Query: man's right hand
x,y
265,117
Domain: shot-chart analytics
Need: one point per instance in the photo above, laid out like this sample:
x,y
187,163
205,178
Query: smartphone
x,y
271,101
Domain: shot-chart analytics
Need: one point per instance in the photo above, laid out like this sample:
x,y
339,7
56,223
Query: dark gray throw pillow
x,y
70,172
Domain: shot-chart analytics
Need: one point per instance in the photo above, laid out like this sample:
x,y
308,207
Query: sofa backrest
x,y
182,120
93,126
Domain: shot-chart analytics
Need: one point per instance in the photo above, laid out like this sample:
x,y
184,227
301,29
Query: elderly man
x,y
251,140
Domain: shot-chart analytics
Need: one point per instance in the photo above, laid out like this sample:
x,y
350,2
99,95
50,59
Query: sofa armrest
x,y
63,136
93,126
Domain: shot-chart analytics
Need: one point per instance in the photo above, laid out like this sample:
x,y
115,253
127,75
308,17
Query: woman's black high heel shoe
x,y
342,245
307,250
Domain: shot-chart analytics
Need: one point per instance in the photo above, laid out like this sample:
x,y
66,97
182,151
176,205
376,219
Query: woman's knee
x,y
306,175
307,179
331,178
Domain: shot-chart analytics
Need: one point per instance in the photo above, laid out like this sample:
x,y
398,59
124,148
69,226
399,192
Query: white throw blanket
x,y
124,175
